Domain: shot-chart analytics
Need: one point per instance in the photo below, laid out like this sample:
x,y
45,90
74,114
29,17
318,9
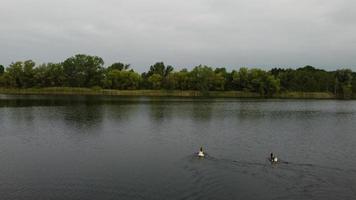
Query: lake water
x,y
87,147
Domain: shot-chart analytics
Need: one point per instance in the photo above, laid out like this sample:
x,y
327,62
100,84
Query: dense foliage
x,y
89,71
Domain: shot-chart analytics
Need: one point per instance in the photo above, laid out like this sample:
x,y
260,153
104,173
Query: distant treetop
x,y
89,71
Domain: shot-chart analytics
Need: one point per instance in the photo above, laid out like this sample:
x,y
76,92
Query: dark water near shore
x,y
67,147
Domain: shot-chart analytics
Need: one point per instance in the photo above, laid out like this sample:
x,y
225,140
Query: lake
x,y
92,147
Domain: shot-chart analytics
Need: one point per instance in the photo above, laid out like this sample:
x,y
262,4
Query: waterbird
x,y
201,153
273,158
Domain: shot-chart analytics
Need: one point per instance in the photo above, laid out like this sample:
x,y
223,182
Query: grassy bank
x,y
306,95
163,93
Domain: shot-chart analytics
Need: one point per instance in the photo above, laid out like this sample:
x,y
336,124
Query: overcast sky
x,y
229,33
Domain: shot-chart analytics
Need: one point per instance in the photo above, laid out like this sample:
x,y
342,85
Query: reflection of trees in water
x,y
84,116
202,110
29,102
45,100
21,116
120,111
160,110
248,111
90,115
166,110
78,112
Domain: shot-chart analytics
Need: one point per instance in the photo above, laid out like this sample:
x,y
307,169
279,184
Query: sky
x,y
219,33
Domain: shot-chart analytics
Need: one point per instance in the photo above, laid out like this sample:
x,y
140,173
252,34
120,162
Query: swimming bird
x,y
201,153
273,158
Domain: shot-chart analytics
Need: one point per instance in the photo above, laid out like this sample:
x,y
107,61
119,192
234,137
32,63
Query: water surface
x,y
88,147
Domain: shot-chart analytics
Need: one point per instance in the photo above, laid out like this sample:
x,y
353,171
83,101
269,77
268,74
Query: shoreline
x,y
164,93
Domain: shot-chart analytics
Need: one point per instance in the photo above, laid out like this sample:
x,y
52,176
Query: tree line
x,y
89,71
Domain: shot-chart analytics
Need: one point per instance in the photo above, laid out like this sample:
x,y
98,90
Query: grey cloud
x,y
230,33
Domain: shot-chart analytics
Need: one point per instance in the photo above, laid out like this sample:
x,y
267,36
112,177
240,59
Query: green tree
x,y
124,80
343,83
15,74
21,74
40,76
49,75
160,68
2,77
55,74
118,66
157,69
87,71
305,79
155,81
204,79
172,81
2,69
2,81
272,85
28,73
256,80
181,80
83,70
222,79
240,79
353,84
